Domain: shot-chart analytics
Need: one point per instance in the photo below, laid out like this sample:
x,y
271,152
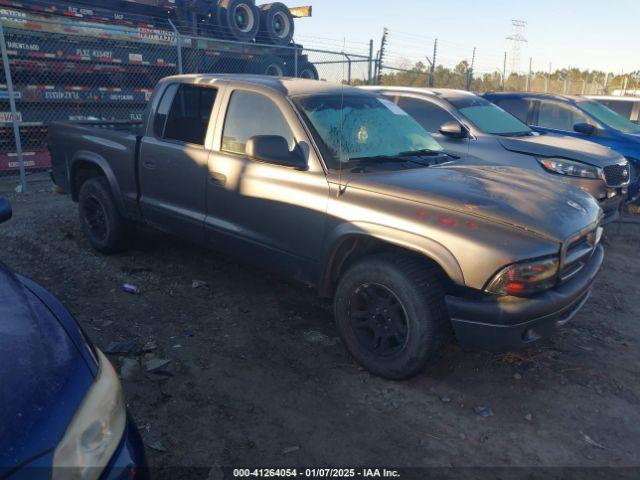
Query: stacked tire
x,y
271,23
238,19
276,24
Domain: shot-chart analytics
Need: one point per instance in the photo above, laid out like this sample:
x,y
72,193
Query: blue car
x,y
62,410
576,117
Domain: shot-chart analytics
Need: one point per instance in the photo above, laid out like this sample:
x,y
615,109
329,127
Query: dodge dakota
x,y
340,189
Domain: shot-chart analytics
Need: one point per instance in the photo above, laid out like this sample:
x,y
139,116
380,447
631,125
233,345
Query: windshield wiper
x,y
377,159
425,152
361,162
516,134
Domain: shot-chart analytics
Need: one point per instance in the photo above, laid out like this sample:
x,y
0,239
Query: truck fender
x,y
86,156
403,239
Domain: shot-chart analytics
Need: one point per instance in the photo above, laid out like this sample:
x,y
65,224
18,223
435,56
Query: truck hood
x,y
548,145
44,377
513,196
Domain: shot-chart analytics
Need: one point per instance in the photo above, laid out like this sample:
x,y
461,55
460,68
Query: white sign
x,y
6,117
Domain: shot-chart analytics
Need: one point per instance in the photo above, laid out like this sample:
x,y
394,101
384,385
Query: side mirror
x,y
5,210
273,149
584,128
453,129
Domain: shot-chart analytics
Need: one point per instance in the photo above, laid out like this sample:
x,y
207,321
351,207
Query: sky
x,y
587,34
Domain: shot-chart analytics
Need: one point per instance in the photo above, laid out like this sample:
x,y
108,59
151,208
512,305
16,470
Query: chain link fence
x,y
64,69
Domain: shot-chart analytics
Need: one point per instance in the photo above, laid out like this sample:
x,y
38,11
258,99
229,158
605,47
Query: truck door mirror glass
x,y
5,210
273,149
453,130
584,128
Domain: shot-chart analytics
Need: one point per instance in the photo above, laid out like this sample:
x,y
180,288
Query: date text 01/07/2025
x,y
314,473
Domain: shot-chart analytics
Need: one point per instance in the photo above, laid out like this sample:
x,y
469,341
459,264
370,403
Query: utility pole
x,y
381,52
504,71
470,71
517,41
529,74
432,63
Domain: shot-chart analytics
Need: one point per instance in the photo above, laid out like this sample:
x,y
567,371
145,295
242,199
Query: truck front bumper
x,y
612,207
510,323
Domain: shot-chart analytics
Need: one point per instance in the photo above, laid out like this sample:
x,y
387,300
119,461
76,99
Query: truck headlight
x,y
562,166
95,431
525,278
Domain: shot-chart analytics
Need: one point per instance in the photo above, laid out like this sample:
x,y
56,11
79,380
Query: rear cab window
x,y
184,112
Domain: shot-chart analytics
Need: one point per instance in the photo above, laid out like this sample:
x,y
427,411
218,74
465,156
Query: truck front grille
x,y
578,253
617,175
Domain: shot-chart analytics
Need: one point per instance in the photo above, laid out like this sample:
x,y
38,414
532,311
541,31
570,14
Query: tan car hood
x,y
508,195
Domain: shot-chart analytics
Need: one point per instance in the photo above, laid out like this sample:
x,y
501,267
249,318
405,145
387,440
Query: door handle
x,y
218,179
149,164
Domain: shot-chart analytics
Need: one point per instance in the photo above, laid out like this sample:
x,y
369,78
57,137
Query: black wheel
x,y
107,230
276,24
269,65
238,19
306,69
391,314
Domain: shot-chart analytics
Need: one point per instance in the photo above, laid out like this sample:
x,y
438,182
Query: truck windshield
x,y
349,128
610,118
488,117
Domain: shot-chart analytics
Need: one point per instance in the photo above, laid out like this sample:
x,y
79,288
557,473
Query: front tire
x,y
391,314
107,230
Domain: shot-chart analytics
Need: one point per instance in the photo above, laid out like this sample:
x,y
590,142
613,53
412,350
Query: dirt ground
x,y
258,377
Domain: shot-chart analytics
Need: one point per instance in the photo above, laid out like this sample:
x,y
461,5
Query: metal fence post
x,y
348,68
14,111
178,46
370,72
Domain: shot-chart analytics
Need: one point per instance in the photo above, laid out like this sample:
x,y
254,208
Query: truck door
x,y
173,160
272,214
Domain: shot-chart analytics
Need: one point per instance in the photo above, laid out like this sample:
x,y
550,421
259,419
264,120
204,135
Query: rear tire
x,y
107,230
270,65
391,315
306,69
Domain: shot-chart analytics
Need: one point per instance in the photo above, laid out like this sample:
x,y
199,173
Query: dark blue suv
x,y
62,410
576,117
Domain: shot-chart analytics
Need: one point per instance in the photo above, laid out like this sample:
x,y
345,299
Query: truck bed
x,y
111,145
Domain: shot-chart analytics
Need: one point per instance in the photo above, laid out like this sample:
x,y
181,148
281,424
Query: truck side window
x,y
190,112
429,115
252,114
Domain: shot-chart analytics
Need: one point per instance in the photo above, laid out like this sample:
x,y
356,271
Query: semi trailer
x,y
72,60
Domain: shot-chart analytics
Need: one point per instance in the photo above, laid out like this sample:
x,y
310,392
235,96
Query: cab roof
x,y
288,86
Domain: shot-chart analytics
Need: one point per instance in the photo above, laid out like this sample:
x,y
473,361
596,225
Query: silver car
x,y
469,126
